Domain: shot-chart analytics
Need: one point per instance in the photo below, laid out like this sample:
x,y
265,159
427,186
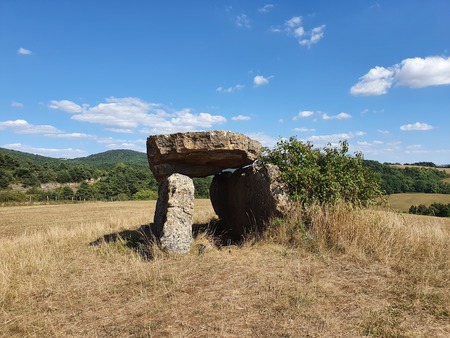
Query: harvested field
x,y
380,274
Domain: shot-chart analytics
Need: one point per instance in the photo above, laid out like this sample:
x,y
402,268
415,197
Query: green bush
x,y
146,194
327,175
13,196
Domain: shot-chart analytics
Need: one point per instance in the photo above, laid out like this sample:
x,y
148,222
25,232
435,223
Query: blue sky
x,y
82,77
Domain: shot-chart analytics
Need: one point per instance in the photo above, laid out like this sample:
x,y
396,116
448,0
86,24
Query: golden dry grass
x,y
365,273
404,201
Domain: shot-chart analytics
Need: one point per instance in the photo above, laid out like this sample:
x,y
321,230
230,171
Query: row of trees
x,y
435,209
409,179
120,182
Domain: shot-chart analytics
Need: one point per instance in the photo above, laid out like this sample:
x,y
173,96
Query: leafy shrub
x,y
327,175
146,194
13,196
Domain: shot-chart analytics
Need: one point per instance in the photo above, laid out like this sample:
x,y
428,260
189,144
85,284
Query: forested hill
x,y
112,157
112,175
125,174
98,161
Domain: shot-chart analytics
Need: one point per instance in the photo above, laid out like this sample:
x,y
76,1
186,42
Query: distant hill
x,y
103,160
112,157
22,157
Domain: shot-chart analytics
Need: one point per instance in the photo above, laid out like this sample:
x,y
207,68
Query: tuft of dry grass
x,y
331,273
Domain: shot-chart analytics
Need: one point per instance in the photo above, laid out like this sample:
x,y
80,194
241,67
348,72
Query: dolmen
x,y
245,194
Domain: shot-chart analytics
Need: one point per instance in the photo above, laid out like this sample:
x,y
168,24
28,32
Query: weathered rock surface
x,y
174,212
200,154
248,199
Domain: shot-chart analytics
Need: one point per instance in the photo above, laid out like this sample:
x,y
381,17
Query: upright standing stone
x,y
174,212
248,199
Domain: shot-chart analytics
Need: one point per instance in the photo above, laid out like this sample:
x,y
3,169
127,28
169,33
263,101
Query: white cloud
x,y
23,51
276,29
120,130
266,140
260,80
16,104
335,137
126,145
315,36
126,114
52,152
71,135
293,22
303,114
413,72
418,72
230,89
376,82
303,130
384,132
240,118
243,21
416,126
340,116
306,38
266,8
23,127
66,105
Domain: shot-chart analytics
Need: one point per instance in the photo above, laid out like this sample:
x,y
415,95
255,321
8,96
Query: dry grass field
x,y
354,273
403,202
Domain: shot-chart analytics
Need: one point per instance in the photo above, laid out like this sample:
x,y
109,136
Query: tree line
x,y
326,175
76,181
409,179
435,209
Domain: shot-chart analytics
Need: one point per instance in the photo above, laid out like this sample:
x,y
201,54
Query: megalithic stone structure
x,y
200,154
245,202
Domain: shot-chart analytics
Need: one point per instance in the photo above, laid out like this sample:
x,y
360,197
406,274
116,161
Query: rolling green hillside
x,y
112,157
111,175
98,161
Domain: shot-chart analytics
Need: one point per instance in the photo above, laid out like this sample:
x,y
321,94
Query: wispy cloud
x,y
52,152
304,130
416,126
266,8
129,113
413,72
241,118
230,89
333,138
16,104
340,116
294,27
23,51
266,140
243,21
